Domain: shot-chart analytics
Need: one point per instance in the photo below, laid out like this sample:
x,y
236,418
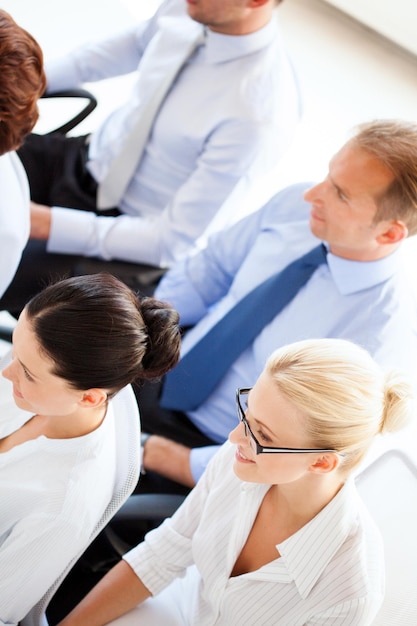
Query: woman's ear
x,y
326,462
93,398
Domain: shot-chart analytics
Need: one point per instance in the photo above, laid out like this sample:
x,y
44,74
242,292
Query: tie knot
x,y
317,256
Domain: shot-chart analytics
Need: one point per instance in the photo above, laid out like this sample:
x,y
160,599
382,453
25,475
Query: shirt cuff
x,y
70,231
199,459
61,73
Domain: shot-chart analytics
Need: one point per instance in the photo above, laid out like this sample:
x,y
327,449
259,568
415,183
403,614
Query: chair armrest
x,y
148,506
79,117
149,509
137,276
6,333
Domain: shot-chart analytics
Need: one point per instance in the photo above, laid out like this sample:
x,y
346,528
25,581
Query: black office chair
x,y
138,276
80,93
149,508
6,330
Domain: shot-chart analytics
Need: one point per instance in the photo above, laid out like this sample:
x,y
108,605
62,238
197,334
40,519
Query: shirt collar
x,y
220,48
354,276
304,554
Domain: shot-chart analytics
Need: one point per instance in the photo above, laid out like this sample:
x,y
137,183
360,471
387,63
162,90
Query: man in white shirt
x,y
363,210
227,118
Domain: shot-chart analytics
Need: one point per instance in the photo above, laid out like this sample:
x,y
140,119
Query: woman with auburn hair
x,y
22,82
75,345
274,533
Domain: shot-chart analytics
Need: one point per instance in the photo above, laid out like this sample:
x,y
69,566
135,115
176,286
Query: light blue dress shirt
x,y
366,302
227,120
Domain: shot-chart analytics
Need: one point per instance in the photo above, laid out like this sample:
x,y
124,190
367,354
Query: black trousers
x,y
57,173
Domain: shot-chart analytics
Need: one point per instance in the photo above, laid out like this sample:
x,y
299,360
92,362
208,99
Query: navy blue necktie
x,y
202,368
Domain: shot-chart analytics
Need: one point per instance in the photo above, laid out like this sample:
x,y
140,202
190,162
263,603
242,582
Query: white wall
x,y
395,20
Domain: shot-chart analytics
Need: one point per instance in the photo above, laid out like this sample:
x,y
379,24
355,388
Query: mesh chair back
x,y
389,489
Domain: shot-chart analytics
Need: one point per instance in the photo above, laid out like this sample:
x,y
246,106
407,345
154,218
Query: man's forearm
x,y
169,459
40,221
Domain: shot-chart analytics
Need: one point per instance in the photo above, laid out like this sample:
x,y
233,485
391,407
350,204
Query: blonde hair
x,y
394,143
346,397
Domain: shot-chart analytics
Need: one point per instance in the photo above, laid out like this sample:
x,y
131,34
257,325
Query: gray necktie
x,y
112,187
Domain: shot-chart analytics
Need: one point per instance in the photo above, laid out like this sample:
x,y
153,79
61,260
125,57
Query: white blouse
x,y
331,571
14,216
52,492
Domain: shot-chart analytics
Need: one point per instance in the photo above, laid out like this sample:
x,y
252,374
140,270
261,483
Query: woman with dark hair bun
x,y
75,345
99,333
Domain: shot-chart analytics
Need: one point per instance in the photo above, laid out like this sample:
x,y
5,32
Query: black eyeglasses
x,y
257,448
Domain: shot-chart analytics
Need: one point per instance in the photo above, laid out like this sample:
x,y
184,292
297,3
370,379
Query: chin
x,y
318,232
22,404
243,473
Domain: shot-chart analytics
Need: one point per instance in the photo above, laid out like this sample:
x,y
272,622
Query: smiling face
x,y
275,422
345,203
35,388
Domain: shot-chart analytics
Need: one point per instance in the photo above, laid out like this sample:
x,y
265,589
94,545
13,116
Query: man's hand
x,y
169,459
40,221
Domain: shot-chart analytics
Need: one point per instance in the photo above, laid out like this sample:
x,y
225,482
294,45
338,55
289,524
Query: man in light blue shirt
x,y
363,210
226,120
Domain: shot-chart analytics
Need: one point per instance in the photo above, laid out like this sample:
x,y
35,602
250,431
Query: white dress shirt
x,y
369,303
227,120
330,573
52,493
14,216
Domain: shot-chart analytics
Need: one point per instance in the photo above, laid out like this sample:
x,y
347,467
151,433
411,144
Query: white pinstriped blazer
x,y
331,571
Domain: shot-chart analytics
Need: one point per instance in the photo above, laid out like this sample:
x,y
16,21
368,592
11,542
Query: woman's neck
x,y
79,423
297,504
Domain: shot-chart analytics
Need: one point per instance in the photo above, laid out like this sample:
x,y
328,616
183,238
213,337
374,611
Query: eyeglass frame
x,y
267,449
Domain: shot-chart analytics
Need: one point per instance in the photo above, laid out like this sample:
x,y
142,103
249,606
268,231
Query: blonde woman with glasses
x,y
274,533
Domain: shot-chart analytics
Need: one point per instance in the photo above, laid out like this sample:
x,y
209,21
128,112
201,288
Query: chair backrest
x,y
128,469
389,489
7,323
91,103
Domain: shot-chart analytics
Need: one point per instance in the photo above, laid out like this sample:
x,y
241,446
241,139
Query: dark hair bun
x,y
164,337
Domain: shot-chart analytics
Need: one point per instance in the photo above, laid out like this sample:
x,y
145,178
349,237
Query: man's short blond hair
x,y
394,143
